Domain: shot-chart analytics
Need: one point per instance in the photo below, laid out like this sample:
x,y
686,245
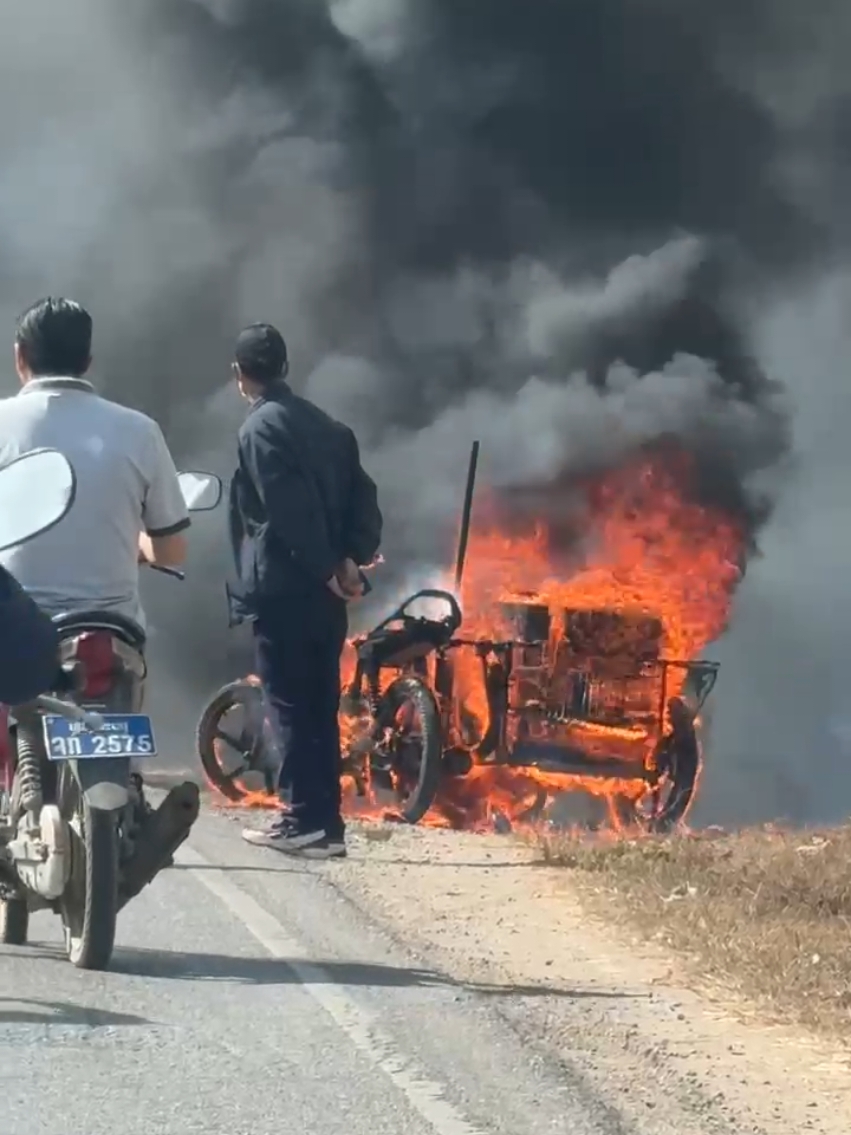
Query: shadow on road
x,y
274,971
287,866
453,864
62,1013
302,867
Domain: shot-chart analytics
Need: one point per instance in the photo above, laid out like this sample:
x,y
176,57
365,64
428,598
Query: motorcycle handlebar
x,y
175,573
92,721
453,619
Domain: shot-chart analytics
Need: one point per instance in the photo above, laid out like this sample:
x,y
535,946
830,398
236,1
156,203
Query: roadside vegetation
x,y
766,912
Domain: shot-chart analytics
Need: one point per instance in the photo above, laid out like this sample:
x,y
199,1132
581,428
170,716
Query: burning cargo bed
x,y
585,694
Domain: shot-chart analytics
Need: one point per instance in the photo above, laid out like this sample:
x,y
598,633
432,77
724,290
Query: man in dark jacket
x,y
303,517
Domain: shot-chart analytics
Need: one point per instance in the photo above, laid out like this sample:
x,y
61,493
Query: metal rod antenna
x,y
464,534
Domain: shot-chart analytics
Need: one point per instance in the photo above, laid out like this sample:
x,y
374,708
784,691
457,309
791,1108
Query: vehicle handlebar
x,y
452,621
175,573
90,720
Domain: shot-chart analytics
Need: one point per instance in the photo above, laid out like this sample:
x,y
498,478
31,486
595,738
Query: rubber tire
x,y
409,689
686,746
685,785
205,735
93,948
14,922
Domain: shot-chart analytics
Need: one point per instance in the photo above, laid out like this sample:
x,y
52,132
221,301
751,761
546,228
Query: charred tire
x,y
89,907
206,735
681,760
414,692
14,922
678,759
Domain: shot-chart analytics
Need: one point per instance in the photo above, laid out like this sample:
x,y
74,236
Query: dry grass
x,y
768,912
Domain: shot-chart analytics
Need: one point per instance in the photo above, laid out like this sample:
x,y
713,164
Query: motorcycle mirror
x,y
37,490
201,491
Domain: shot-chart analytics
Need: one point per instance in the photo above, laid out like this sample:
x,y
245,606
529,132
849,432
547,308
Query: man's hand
x,y
349,576
333,585
162,551
346,582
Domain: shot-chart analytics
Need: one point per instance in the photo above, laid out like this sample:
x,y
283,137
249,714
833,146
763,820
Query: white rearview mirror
x,y
201,491
37,490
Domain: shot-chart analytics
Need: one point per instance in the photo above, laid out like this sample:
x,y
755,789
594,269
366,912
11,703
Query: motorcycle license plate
x,y
123,735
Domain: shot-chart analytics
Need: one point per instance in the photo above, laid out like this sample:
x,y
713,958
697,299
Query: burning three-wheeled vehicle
x,y
564,696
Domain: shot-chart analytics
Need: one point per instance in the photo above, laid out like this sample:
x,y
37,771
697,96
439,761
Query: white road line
x,y
425,1096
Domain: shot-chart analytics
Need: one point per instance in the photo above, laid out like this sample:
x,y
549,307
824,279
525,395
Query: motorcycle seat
x,y
78,622
398,646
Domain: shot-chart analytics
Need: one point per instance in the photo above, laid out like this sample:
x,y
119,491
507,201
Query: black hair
x,y
261,353
54,337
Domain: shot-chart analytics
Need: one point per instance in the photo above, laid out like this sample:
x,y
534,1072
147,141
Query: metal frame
x,y
494,746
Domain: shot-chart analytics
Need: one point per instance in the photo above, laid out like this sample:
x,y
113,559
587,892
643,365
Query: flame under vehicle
x,y
559,698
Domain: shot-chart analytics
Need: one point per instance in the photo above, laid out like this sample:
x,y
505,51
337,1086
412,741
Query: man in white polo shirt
x,y
128,506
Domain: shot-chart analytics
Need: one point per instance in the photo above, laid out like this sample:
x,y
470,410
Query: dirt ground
x,y
633,1015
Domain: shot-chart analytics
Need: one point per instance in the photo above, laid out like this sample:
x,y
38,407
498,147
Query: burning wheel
x,y
677,760
234,744
408,751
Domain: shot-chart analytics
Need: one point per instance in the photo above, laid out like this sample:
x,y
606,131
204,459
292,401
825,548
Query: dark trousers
x,y
298,646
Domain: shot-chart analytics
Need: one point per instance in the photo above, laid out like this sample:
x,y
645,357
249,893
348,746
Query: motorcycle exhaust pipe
x,y
163,832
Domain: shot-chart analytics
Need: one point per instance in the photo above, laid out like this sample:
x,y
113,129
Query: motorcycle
x,y
77,834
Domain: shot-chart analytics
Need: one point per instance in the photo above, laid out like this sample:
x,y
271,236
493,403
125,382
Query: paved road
x,y
248,997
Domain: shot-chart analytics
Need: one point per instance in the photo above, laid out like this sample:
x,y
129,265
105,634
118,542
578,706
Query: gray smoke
x,y
568,230
780,732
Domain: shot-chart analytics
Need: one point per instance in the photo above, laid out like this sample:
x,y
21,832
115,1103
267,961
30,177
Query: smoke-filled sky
x,y
567,227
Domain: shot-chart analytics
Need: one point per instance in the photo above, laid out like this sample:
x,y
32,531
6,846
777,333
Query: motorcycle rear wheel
x,y
89,906
14,921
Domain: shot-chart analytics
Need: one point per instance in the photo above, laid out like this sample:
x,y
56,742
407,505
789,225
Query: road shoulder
x,y
623,1010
